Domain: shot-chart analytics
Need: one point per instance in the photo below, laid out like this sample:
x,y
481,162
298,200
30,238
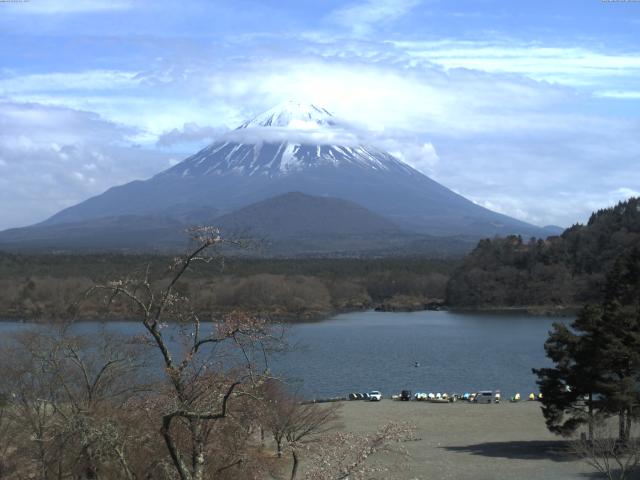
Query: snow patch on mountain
x,y
298,123
289,138
294,115
319,136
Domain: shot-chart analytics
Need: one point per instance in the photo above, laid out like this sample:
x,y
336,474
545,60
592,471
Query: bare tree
x,y
607,454
293,423
213,363
7,449
181,400
62,391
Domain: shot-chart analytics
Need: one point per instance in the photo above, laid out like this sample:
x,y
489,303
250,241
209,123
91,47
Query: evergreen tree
x,y
569,390
597,359
620,327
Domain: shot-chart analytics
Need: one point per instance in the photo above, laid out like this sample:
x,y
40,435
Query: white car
x,y
375,396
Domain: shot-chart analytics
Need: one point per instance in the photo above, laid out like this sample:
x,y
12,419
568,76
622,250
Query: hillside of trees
x,y
561,271
42,287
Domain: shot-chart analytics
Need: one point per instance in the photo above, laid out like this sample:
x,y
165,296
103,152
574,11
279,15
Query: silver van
x,y
485,396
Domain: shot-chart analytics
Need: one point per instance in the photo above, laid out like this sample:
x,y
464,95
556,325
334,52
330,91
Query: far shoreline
x,y
315,317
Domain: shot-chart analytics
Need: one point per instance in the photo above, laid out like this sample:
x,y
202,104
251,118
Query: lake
x,y
357,352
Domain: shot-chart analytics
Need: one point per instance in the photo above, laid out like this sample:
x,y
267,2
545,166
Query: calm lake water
x,y
356,352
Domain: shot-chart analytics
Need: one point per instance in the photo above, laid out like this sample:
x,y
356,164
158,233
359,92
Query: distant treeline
x,y
567,270
557,272
49,285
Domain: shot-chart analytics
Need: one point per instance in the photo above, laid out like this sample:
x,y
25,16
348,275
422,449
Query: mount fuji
x,y
291,148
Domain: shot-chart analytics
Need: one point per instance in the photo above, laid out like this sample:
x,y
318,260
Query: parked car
x,y
486,396
405,395
375,396
365,396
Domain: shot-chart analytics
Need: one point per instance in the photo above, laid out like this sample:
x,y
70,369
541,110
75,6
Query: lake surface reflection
x,y
456,352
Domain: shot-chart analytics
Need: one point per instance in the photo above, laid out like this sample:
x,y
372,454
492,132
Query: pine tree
x,y
569,390
620,327
597,359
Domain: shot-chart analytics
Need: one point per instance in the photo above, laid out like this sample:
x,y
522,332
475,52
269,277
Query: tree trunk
x,y
183,470
627,432
279,446
590,417
621,426
91,470
294,468
42,455
123,463
198,449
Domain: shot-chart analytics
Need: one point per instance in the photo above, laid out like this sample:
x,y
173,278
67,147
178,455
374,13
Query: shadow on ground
x,y
557,451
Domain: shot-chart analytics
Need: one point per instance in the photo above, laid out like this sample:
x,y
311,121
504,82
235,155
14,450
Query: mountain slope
x,y
124,232
298,215
296,148
293,224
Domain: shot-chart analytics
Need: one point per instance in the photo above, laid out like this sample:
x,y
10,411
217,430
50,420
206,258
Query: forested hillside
x,y
47,286
560,271
566,270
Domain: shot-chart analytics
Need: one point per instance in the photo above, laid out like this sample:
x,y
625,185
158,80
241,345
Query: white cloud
x,y
54,157
384,96
56,7
619,94
623,193
88,80
422,157
190,132
570,65
29,126
360,17
335,136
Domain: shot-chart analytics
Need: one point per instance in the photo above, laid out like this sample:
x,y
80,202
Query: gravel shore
x,y
462,440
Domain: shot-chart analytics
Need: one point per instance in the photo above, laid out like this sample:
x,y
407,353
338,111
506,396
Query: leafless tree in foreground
x,y
215,364
96,406
7,449
64,393
607,455
294,424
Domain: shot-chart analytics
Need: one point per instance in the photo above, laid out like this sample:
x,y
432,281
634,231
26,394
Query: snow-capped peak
x,y
296,115
291,137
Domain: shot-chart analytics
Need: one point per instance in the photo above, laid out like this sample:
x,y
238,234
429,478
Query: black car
x,y
405,395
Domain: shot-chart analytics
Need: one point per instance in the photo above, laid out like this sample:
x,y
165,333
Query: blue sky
x,y
529,108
